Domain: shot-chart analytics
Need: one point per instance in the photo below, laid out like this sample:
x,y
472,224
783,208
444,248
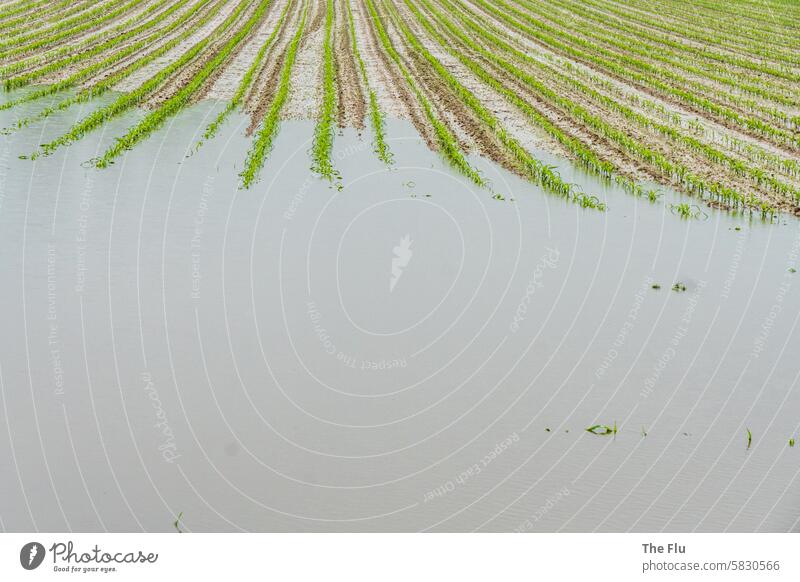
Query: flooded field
x,y
406,353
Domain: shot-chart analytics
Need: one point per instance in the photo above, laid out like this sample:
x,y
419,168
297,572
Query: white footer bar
x,y
401,557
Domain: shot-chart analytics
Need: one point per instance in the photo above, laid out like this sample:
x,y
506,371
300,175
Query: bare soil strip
x,y
350,102
306,79
225,86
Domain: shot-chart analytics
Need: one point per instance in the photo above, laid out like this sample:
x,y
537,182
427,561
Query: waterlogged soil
x,y
350,101
404,354
228,82
305,96
163,22
142,75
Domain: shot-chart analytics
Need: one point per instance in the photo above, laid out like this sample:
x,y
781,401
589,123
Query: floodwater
x,y
404,354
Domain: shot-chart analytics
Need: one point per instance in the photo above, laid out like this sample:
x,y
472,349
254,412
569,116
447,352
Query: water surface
x,y
170,343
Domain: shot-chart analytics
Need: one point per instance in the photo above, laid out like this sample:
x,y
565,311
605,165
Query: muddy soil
x,y
350,104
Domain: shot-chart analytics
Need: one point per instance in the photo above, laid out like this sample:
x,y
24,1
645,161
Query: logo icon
x,y
31,555
402,256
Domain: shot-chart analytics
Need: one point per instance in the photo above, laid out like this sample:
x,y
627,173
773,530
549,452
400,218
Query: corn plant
x,y
265,136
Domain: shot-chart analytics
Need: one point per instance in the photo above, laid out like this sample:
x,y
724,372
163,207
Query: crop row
x,y
135,97
323,133
103,48
174,104
107,83
673,171
376,116
64,30
447,142
265,136
743,41
625,100
632,69
247,79
712,154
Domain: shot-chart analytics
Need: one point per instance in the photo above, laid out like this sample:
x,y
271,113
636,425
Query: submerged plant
x,y
687,211
177,523
323,134
603,429
653,195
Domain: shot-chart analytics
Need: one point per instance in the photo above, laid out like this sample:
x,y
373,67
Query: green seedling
x,y
603,429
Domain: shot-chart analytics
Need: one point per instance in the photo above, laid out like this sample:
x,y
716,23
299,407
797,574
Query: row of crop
x,y
92,70
323,133
27,35
583,153
444,137
623,50
63,31
708,28
43,20
9,24
659,44
788,166
91,42
265,136
52,66
247,79
24,6
624,67
128,100
735,15
183,97
534,169
737,167
109,82
676,172
731,16
742,43
699,63
380,146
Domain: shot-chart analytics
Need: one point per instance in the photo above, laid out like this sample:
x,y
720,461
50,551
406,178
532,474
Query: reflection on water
x,y
405,354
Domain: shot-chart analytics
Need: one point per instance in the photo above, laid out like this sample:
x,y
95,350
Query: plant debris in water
x,y
603,429
177,523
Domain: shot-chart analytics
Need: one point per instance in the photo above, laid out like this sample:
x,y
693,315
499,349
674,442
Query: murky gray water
x,y
250,358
